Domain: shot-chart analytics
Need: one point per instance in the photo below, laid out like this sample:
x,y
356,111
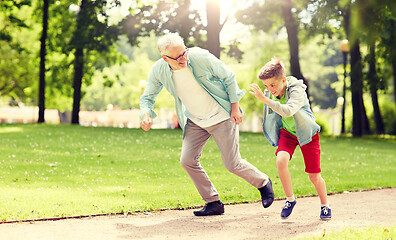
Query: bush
x,y
388,111
322,120
323,126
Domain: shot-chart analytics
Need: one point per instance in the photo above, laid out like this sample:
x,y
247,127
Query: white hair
x,y
168,40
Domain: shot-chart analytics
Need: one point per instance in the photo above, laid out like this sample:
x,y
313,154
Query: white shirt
x,y
202,109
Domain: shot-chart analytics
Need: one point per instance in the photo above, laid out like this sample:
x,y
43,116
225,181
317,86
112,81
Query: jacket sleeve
x,y
296,100
147,100
227,77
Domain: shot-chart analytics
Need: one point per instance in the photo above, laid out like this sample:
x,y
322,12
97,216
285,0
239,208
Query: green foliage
x,y
119,85
319,68
68,170
388,112
16,69
323,123
319,58
17,56
164,16
262,15
122,85
10,18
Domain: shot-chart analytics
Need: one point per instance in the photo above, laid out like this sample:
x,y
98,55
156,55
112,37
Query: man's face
x,y
176,57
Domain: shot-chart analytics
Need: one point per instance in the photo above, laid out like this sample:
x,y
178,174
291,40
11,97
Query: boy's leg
x,y
311,153
282,162
286,145
194,140
320,186
226,136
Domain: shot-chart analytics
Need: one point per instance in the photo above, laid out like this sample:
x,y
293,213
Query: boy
x,y
288,122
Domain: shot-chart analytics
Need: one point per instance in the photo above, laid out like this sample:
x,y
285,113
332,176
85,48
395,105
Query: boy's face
x,y
275,86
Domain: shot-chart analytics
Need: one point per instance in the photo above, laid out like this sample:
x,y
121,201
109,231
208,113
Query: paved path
x,y
243,221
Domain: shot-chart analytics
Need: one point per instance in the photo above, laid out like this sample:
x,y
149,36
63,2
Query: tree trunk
x,y
78,74
43,39
358,122
182,18
292,36
373,79
394,77
359,118
366,126
213,28
78,64
345,58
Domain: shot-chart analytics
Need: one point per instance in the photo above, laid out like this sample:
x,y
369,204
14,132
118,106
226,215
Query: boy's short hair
x,y
170,39
273,68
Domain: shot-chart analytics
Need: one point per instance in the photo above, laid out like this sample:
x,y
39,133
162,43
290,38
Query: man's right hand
x,y
146,122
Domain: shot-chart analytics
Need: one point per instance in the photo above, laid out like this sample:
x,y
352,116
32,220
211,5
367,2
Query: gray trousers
x,y
226,136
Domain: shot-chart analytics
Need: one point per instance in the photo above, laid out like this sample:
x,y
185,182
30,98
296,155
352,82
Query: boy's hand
x,y
257,92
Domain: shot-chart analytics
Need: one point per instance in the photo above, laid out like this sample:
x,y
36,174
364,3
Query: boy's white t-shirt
x,y
203,110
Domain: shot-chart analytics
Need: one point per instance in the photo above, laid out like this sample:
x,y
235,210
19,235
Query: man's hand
x,y
236,115
146,122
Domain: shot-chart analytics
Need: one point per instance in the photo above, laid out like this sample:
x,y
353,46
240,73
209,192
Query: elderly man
x,y
207,104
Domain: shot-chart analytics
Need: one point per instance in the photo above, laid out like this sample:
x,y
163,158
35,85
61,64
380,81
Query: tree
x,y
387,39
266,17
373,82
359,118
345,12
91,34
43,39
291,25
166,16
213,27
369,17
15,57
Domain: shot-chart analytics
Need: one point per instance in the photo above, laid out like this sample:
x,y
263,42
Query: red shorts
x,y
311,151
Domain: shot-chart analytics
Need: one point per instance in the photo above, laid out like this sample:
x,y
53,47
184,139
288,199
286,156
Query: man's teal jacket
x,y
211,73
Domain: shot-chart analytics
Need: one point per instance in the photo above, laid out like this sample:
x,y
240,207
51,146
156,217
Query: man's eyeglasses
x,y
179,58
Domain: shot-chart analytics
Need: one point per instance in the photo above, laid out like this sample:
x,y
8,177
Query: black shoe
x,y
212,208
267,194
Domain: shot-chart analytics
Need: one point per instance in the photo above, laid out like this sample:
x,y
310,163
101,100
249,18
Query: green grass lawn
x,y
367,233
63,170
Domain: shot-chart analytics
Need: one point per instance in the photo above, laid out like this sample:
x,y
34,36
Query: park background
x,y
83,58
85,63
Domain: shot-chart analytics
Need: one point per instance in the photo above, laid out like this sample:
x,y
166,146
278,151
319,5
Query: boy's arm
x,y
293,104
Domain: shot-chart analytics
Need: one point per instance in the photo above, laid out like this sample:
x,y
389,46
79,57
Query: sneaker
x,y
287,209
325,213
267,194
212,208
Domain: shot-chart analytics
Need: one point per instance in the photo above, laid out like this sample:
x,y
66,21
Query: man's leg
x,y
226,136
193,143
